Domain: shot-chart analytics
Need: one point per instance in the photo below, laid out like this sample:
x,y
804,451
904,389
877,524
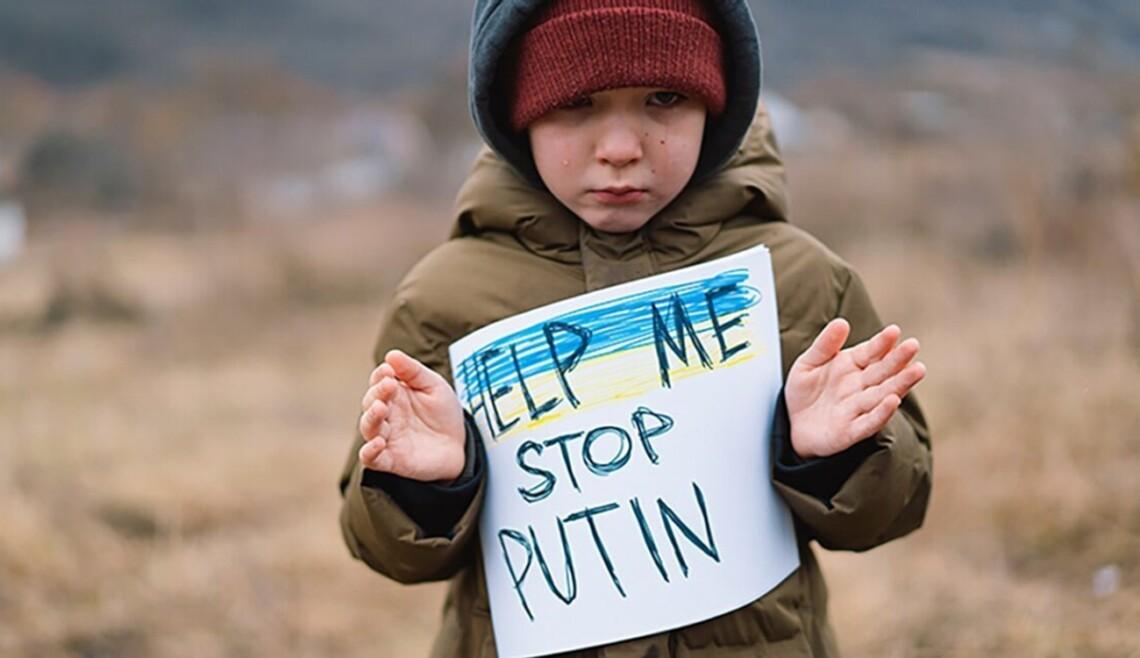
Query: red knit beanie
x,y
577,47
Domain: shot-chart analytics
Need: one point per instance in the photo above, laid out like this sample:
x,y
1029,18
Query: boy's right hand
x,y
412,422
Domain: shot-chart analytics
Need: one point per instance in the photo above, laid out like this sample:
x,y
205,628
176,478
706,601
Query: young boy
x,y
628,141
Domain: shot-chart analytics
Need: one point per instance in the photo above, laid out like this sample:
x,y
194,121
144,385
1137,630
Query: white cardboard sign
x,y
627,433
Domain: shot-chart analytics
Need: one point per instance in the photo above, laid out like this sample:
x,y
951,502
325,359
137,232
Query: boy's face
x,y
617,157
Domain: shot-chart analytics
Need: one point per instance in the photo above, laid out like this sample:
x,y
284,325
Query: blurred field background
x,y
204,207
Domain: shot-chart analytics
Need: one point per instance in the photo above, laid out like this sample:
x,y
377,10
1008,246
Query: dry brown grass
x,y
1024,297
175,409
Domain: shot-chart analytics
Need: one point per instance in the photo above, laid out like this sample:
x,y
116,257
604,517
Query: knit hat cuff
x,y
580,53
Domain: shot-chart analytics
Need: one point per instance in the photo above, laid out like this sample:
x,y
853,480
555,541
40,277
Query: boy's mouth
x,y
618,196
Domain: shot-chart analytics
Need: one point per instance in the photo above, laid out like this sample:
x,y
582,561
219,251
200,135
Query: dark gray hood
x,y
496,23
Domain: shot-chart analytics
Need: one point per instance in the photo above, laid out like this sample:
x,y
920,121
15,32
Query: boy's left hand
x,y
837,398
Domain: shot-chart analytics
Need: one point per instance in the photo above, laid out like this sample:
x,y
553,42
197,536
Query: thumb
x,y
412,372
827,344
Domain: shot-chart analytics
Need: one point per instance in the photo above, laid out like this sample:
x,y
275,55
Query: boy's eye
x,y
581,101
665,98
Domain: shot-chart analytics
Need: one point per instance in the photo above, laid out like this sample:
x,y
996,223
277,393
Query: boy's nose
x,y
619,144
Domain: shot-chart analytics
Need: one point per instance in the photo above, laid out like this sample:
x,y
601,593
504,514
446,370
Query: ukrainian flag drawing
x,y
618,348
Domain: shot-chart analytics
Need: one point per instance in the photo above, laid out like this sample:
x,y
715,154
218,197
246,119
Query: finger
x,y
371,418
370,396
379,372
370,450
868,424
898,385
387,388
364,426
893,362
827,344
384,392
412,372
910,376
876,346
382,461
375,455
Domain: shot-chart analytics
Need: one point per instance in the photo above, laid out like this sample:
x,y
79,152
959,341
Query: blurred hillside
x,y
377,45
192,113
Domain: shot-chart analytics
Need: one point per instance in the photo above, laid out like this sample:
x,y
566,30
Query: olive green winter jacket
x,y
509,235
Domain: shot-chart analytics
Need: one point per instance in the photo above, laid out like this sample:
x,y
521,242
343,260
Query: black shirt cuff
x,y
821,477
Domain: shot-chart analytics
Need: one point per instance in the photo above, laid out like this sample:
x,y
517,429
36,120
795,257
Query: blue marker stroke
x,y
612,326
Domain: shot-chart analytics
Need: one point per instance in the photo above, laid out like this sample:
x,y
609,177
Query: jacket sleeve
x,y
876,490
374,518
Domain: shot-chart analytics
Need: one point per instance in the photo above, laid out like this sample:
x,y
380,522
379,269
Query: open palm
x,y
412,422
838,397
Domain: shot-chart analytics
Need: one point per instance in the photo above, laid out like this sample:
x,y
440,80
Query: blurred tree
x,y
442,104
61,168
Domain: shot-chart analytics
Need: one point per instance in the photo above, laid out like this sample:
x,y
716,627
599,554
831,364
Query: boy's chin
x,y
616,222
